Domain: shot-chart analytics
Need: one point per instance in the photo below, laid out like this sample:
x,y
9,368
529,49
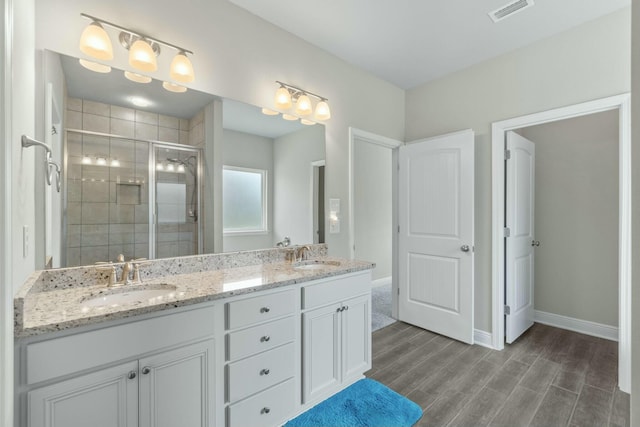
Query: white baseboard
x,y
577,325
482,338
381,282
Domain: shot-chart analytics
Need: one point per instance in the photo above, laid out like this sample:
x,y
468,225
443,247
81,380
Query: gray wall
x,y
292,206
635,222
587,62
576,217
255,152
373,206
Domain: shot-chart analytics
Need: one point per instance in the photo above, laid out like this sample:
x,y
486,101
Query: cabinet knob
x,y
338,310
265,338
264,372
131,375
265,310
346,307
146,370
265,410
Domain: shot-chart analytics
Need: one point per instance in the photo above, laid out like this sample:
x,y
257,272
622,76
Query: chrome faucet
x,y
284,243
302,253
126,269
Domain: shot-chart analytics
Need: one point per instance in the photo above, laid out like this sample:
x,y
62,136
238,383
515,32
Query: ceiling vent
x,y
510,9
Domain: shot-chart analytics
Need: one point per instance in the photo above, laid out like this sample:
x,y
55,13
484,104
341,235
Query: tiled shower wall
x,y
107,207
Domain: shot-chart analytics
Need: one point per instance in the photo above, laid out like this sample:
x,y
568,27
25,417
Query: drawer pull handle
x,y
338,310
264,372
265,310
265,410
346,307
131,375
146,370
265,338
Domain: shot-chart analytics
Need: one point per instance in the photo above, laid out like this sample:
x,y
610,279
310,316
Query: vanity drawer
x,y
272,407
260,338
335,290
259,372
248,311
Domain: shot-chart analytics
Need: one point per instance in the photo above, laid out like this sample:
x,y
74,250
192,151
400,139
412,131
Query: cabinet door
x,y
321,350
106,398
177,387
356,336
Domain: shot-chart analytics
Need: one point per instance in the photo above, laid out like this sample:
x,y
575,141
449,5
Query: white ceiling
x,y
410,42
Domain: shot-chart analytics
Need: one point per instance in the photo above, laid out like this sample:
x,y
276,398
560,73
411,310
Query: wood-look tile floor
x,y
549,377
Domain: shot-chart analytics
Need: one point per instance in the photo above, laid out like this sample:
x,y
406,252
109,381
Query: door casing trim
x,y
622,103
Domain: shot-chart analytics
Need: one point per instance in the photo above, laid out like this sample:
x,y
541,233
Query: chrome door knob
x,y
264,372
535,243
265,338
265,310
464,248
265,410
146,370
131,375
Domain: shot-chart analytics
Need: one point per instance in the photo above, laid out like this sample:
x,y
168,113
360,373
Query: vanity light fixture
x,y
268,112
180,168
101,161
95,66
95,41
86,160
307,122
172,87
143,51
287,95
138,78
160,166
115,163
289,117
171,167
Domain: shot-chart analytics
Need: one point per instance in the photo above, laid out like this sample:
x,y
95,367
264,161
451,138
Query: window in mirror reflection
x,y
244,193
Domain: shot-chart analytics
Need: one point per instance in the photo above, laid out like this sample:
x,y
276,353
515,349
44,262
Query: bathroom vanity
x,y
238,339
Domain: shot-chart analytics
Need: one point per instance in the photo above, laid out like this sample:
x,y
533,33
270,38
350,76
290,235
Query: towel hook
x,y
49,165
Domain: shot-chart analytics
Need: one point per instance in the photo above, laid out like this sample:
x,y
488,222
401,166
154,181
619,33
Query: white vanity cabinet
x,y
263,358
105,398
336,334
166,377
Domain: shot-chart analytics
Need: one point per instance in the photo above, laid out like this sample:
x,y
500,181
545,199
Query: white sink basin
x,y
315,265
126,295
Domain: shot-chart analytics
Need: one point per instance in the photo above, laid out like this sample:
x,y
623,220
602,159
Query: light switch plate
x,y
334,205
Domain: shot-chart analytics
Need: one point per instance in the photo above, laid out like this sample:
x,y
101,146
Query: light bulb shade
x,y
138,78
172,87
95,42
142,57
307,122
180,168
94,66
283,98
303,105
322,111
181,69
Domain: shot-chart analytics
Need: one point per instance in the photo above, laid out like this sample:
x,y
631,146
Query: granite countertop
x,y
57,306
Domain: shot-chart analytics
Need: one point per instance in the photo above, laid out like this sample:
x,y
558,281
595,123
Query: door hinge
x,y
507,232
507,154
507,310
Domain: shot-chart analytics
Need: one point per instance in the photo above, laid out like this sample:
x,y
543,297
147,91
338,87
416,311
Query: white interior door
x,y
519,240
436,199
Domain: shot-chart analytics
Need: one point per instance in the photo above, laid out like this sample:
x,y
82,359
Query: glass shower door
x,y
177,200
107,207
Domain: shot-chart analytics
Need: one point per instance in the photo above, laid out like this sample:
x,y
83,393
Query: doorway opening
x,y
499,132
373,216
317,200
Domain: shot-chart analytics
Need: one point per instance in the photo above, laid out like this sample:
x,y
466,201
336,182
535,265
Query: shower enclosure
x,y
128,196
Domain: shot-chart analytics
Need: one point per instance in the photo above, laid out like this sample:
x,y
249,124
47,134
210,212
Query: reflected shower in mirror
x,y
135,158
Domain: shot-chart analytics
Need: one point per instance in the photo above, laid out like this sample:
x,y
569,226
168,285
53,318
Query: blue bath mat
x,y
367,403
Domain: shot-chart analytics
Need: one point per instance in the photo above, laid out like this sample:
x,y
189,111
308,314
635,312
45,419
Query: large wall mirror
x,y
138,171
